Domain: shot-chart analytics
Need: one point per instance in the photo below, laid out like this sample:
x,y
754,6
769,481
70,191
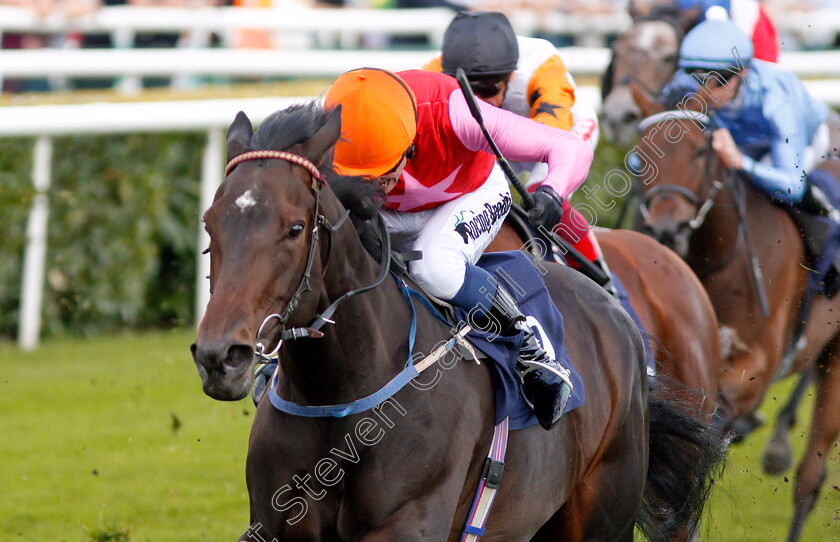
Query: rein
x,y
320,221
733,183
670,190
411,371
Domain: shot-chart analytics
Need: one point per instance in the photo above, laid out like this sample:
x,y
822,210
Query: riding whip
x,y
589,269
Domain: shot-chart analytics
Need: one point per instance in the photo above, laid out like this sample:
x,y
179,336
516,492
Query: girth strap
x,y
494,466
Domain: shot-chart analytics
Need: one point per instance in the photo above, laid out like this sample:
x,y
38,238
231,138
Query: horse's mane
x,y
298,124
363,199
358,195
291,126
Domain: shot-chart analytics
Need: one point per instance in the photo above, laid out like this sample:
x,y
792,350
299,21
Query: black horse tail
x,y
686,455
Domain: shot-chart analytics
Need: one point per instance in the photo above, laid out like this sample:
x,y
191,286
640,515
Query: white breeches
x,y
452,235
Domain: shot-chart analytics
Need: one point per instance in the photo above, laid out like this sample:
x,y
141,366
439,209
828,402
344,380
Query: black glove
x,y
548,208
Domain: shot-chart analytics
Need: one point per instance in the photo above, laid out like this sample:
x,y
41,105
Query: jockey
x,y
751,17
769,127
413,134
524,76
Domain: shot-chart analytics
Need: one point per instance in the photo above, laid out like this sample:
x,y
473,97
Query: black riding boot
x,y
545,384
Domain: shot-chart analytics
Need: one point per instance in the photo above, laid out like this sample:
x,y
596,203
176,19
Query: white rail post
x,y
32,283
211,175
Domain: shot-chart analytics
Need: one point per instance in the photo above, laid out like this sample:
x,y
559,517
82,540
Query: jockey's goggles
x,y
703,75
486,89
389,176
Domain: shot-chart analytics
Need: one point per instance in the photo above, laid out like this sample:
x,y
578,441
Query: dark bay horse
x,y
687,210
407,469
672,305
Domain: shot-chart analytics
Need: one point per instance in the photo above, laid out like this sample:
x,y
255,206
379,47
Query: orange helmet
x,y
378,121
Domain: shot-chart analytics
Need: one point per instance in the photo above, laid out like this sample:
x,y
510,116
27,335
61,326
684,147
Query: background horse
x,y
699,219
672,305
645,54
410,466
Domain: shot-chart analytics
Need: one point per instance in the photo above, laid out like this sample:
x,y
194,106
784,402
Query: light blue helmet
x,y
709,46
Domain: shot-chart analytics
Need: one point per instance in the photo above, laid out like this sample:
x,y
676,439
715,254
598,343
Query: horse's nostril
x,y
630,117
208,355
239,355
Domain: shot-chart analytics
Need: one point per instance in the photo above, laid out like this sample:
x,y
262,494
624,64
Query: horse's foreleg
x,y
415,530
744,380
254,533
427,518
778,455
826,427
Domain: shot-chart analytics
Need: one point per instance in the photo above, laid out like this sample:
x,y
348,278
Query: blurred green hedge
x,y
122,231
123,226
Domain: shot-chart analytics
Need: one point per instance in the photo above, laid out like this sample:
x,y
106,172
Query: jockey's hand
x,y
548,208
725,146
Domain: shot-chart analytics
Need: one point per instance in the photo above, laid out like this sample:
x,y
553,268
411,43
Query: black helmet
x,y
481,43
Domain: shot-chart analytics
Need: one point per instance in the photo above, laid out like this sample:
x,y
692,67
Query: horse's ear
x,y
239,136
325,137
647,105
607,78
688,18
632,10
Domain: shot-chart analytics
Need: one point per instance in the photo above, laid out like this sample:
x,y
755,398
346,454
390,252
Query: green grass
x,y
750,505
91,449
113,439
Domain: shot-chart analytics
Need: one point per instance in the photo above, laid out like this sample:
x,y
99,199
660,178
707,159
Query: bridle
x,y
630,77
733,183
711,187
320,221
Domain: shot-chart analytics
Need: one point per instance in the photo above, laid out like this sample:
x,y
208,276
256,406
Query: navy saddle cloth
x,y
520,277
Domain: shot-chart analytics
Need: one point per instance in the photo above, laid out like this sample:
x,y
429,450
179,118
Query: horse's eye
x,y
295,230
700,153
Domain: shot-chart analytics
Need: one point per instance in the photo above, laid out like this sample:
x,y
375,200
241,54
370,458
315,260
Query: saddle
x,y
541,248
523,280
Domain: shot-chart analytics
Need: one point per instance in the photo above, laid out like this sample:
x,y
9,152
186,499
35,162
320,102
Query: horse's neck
x,y
719,244
356,354
715,243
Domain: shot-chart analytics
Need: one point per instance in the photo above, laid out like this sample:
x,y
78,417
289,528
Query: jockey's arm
x,y
520,139
551,95
784,179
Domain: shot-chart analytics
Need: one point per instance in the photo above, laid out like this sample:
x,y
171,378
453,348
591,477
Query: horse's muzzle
x,y
226,369
675,237
621,117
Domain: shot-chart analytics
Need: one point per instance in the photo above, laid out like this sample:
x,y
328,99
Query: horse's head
x,y
262,245
677,168
646,55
